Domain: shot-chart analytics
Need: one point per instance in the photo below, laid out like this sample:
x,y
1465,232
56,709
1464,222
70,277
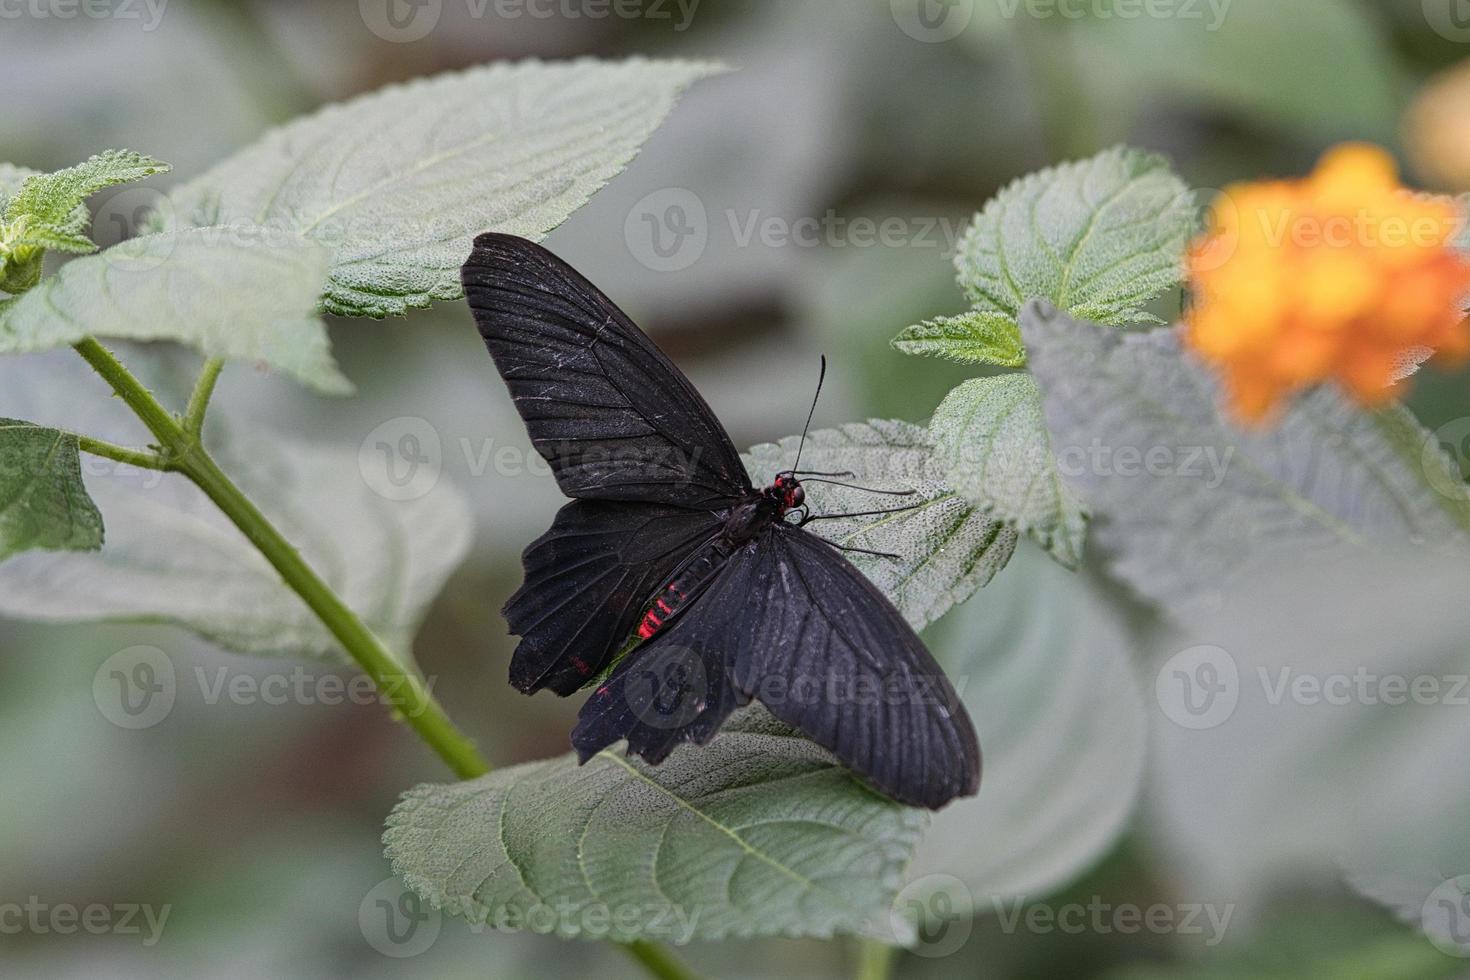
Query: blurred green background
x,y
258,825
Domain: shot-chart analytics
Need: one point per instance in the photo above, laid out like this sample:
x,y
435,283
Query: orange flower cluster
x,y
1342,276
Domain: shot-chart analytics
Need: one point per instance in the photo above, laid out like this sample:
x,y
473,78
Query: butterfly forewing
x,y
610,413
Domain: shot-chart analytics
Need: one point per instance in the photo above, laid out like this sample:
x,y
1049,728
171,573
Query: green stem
x,y
875,960
658,961
179,439
402,688
199,400
122,454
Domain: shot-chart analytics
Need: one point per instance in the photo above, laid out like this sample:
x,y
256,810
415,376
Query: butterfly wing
x,y
587,581
792,623
613,416
677,687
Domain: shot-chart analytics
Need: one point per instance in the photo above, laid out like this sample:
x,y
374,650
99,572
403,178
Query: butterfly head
x,y
787,491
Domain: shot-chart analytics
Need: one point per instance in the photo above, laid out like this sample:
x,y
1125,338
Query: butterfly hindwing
x,y
677,686
587,580
793,624
612,415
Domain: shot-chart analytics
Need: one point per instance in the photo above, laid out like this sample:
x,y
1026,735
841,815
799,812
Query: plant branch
x,y
658,961
199,400
183,453
122,454
400,687
875,960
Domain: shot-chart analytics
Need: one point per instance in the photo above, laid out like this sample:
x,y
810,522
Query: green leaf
x,y
399,182
51,207
1311,722
1194,503
947,548
1045,668
171,557
991,438
43,503
52,198
239,293
1099,238
760,833
970,338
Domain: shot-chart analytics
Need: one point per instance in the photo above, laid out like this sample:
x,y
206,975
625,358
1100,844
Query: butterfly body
x,y
669,547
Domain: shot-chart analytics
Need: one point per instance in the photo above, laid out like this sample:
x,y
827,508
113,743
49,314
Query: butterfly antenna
x,y
810,415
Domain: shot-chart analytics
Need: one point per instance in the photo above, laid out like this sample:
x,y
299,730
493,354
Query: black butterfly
x,y
668,547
